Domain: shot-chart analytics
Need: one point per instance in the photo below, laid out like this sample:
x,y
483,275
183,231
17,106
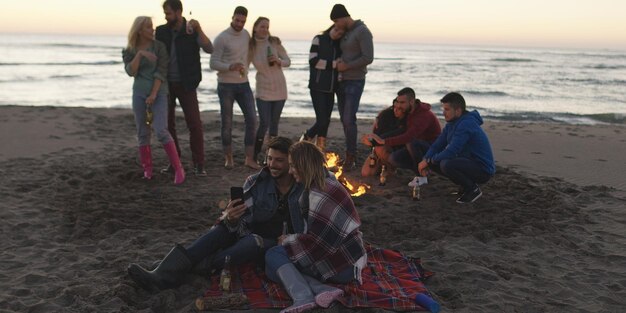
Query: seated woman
x,y
331,246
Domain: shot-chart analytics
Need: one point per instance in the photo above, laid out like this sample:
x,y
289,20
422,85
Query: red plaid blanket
x,y
391,281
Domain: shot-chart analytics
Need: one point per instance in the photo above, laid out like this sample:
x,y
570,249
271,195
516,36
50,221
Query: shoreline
x,y
580,154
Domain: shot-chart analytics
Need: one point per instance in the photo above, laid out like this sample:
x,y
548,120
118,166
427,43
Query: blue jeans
x,y
277,257
159,118
348,99
409,155
228,94
323,103
269,116
463,172
219,242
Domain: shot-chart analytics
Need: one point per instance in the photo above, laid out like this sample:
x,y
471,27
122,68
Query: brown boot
x,y
320,142
349,162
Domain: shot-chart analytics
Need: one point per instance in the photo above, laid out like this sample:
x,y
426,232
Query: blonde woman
x,y
146,60
331,246
269,58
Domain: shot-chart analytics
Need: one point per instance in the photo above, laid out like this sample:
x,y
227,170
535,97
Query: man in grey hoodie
x,y
357,52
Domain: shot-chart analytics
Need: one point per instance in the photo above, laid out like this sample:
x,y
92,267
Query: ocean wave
x,y
569,118
478,93
65,76
606,67
60,63
514,60
78,46
594,81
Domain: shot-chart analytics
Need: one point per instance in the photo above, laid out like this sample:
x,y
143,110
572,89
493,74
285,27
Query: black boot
x,y
170,272
258,144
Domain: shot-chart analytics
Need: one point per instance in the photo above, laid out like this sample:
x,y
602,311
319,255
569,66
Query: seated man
x,y
246,230
404,148
462,152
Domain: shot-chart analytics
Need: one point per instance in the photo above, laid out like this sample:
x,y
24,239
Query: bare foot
x,y
229,163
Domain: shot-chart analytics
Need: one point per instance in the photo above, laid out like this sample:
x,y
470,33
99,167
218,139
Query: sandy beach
x,y
548,235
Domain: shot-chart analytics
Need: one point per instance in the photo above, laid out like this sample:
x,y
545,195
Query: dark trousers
x,y
188,100
463,172
323,103
409,155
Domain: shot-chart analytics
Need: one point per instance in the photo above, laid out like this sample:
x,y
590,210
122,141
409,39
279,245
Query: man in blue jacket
x,y
462,152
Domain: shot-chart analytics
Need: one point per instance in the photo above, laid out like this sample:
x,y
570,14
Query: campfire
x,y
355,189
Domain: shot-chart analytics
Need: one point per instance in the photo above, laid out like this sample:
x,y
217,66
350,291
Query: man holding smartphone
x,y
251,223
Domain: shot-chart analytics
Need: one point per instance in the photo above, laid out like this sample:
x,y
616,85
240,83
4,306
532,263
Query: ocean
x,y
514,84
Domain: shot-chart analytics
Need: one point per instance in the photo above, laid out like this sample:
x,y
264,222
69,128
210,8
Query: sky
x,y
598,24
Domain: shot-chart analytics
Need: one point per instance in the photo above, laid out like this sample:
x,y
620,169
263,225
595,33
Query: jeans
x,y
323,103
269,116
228,94
219,242
409,155
277,257
188,100
159,118
463,172
348,98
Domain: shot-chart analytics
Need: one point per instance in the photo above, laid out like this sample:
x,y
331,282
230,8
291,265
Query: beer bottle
x,y
383,175
270,54
225,275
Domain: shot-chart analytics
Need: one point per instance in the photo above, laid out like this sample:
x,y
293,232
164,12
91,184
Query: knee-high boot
x,y
169,274
325,295
145,155
172,154
298,289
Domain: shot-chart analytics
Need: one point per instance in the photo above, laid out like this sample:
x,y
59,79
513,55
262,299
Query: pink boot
x,y
146,161
179,172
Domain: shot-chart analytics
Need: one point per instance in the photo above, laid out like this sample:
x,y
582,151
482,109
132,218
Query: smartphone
x,y
236,193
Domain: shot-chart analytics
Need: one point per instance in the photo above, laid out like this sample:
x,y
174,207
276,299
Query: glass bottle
x,y
270,54
383,175
225,275
416,192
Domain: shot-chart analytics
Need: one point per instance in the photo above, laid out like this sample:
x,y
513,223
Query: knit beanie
x,y
338,11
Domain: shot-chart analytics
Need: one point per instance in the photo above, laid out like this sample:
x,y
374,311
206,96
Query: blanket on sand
x,y
391,281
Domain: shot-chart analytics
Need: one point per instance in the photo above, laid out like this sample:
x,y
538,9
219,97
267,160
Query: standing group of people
x,y
294,216
338,64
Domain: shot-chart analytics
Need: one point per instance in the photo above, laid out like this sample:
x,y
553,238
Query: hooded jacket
x,y
463,137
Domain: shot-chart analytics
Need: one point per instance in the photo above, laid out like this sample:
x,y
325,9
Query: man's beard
x,y
173,22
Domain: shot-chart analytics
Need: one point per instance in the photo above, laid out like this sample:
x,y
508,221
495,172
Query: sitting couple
x,y
401,134
323,241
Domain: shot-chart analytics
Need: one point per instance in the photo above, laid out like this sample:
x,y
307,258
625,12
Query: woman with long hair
x,y
269,58
331,246
323,82
146,60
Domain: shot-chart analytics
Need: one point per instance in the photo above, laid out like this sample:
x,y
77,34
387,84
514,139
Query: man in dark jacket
x,y
462,152
247,228
183,40
404,147
357,51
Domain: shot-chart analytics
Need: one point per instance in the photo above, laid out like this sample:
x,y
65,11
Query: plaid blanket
x,y
391,281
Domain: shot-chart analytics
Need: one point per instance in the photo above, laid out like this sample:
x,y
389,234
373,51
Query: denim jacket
x,y
262,203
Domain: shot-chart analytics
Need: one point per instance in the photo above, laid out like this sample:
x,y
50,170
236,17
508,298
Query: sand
x,y
548,235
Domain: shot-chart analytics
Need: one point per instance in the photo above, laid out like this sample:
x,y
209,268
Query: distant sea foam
x,y
514,84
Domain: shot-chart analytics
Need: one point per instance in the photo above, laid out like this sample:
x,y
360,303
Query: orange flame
x,y
355,189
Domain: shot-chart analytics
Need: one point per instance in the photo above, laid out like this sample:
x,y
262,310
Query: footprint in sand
x,y
536,152
601,160
569,157
507,150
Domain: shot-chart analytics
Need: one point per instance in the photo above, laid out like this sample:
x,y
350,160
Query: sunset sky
x,y
598,24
